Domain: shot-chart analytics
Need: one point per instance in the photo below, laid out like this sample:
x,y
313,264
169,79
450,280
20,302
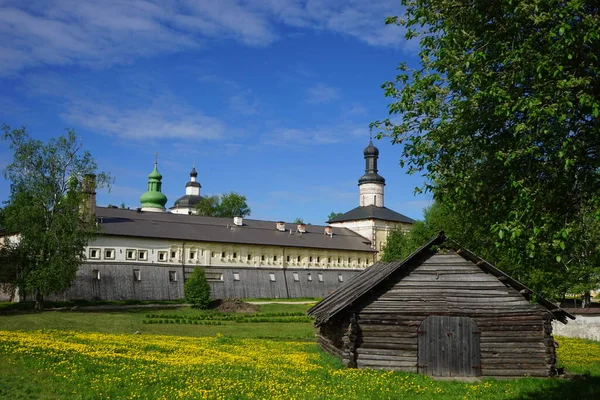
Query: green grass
x,y
89,355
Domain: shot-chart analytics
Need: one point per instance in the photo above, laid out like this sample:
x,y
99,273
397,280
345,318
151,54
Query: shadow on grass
x,y
580,387
79,305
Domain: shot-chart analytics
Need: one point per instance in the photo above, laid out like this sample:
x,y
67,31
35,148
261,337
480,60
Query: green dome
x,y
155,174
153,198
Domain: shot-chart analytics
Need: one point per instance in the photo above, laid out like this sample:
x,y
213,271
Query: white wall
x,y
584,326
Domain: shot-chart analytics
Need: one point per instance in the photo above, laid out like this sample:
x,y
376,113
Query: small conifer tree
x,y
197,289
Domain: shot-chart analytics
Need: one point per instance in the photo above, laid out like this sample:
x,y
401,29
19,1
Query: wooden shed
x,y
442,311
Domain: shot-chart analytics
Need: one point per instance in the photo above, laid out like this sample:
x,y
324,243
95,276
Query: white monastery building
x,y
147,253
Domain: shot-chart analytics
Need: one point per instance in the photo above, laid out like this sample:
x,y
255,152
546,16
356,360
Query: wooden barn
x,y
442,311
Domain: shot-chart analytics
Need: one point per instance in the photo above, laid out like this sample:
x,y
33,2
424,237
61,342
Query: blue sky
x,y
270,99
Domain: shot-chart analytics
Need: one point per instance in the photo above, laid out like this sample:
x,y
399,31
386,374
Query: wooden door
x,y
449,346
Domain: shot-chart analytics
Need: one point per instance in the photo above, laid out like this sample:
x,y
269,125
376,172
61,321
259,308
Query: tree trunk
x,y
39,301
587,300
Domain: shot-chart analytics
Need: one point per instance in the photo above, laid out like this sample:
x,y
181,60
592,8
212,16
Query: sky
x,y
271,99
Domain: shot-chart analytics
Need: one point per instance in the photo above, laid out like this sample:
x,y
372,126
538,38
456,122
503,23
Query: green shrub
x,y
197,289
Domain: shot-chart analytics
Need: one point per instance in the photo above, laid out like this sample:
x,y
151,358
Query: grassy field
x,y
91,355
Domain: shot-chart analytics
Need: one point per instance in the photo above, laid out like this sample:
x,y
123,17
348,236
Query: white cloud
x,y
322,94
244,103
164,116
112,32
329,134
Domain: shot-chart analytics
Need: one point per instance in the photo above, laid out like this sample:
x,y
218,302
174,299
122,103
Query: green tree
x,y
502,117
228,205
47,213
332,215
197,289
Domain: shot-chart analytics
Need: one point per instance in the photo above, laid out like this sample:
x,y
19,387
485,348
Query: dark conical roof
x,y
193,172
371,150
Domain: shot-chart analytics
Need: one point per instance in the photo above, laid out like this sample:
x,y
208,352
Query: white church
x,y
147,253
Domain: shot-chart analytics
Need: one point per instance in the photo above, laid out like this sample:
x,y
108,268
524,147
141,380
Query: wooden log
x,y
391,346
399,353
392,335
515,372
390,340
365,357
385,363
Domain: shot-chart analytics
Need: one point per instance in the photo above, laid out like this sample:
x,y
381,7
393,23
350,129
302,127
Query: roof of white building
x,y
133,223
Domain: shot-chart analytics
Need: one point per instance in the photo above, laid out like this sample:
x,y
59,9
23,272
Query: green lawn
x,y
90,355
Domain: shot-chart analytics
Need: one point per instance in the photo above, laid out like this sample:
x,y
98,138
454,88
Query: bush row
x,y
180,321
225,317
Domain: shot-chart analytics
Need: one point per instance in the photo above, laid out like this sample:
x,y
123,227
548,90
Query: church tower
x,y
187,203
371,183
154,200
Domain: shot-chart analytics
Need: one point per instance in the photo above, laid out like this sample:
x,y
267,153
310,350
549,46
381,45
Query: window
x,y
320,277
173,254
309,277
329,260
359,260
136,275
236,276
223,254
214,276
298,259
349,260
234,255
212,254
109,254
95,254
262,258
130,254
310,259
296,277
142,255
318,259
172,276
339,260
288,258
249,257
340,278
96,274
192,255
274,258
162,256
271,276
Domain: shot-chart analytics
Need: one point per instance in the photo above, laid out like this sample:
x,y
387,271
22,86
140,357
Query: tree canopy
x,y
47,214
333,215
502,118
227,205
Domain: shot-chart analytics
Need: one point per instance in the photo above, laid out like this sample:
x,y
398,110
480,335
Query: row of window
x,y
142,255
218,277
137,275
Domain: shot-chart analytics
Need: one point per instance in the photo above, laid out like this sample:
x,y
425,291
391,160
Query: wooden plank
x,y
385,363
399,353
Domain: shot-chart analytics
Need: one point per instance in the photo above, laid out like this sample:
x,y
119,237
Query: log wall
x,y
515,335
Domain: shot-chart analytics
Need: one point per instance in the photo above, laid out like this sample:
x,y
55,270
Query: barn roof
x,y
162,225
371,277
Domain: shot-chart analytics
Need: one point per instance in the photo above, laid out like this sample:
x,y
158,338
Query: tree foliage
x,y
502,117
197,289
46,213
227,205
332,215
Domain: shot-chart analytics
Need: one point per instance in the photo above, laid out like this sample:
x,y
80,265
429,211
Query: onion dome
x,y
154,199
371,150
371,176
